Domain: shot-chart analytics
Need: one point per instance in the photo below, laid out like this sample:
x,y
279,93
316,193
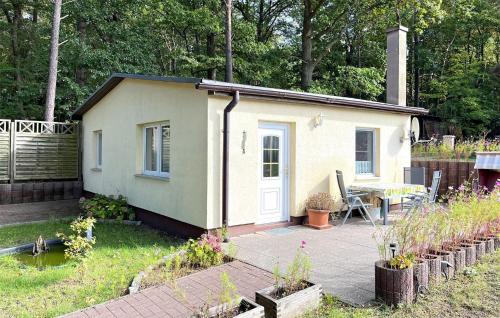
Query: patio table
x,y
387,191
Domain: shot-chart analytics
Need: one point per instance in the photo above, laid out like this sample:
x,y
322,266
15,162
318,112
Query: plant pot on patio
x,y
447,265
243,308
393,286
470,253
293,305
318,207
318,219
420,276
434,267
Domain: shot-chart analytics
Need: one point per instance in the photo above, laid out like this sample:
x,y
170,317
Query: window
x,y
271,153
157,150
98,142
365,151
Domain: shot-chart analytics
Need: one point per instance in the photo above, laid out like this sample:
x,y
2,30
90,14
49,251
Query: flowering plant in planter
x,y
319,206
293,293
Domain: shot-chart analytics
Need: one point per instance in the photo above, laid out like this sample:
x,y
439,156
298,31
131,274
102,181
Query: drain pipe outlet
x,y
225,156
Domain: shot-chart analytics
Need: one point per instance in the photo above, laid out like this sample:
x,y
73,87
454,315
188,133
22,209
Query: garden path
x,y
190,294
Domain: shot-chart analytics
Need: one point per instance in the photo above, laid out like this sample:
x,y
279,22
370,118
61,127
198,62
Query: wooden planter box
x,y
434,267
248,308
446,256
290,306
393,286
420,276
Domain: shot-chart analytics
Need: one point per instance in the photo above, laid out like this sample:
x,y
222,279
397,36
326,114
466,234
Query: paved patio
x,y
343,257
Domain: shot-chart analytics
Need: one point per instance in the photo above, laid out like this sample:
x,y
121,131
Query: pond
x,y
54,257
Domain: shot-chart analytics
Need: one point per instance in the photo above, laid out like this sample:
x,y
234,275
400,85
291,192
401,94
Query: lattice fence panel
x,y
45,150
4,149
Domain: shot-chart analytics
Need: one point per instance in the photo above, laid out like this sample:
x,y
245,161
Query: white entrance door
x,y
273,173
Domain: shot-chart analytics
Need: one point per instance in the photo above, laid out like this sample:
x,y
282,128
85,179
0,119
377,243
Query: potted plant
x,y
318,207
293,293
231,305
394,279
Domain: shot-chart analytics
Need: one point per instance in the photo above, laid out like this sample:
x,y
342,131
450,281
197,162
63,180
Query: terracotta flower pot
x,y
393,286
434,267
318,219
420,276
470,253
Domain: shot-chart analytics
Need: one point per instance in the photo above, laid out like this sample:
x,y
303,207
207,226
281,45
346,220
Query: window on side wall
x,y
98,143
365,151
157,149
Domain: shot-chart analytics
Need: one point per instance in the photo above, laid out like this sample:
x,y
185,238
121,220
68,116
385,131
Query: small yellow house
x,y
194,154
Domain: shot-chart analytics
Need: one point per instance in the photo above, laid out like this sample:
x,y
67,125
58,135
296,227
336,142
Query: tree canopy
x,y
328,46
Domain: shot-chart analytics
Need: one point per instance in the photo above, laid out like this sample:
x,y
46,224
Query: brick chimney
x,y
396,65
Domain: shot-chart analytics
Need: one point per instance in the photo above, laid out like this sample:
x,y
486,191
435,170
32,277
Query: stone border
x,y
135,285
126,222
25,247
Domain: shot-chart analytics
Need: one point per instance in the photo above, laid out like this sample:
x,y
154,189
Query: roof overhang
x,y
246,90
281,94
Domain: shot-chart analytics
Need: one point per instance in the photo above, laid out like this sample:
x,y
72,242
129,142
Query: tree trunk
x,y
307,44
54,52
260,22
81,74
416,81
212,71
228,76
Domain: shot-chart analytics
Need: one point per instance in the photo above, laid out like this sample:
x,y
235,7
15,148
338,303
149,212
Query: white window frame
x,y
98,149
158,172
374,151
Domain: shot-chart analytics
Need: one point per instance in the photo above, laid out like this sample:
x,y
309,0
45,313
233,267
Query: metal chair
x,y
414,175
415,200
353,200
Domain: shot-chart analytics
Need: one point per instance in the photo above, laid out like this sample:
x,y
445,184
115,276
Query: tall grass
x,y
463,149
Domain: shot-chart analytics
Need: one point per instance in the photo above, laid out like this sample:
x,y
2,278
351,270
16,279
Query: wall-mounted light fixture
x,y
318,120
243,141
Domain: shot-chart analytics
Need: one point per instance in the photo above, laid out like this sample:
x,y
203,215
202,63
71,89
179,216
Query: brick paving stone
x,y
165,301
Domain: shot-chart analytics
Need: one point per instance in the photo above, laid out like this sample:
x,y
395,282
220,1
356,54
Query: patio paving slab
x,y
342,257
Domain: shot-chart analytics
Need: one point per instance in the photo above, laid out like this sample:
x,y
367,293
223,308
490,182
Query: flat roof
x,y
245,90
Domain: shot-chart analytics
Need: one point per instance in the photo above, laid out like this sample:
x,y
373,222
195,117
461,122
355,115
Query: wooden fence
x,y
36,151
4,149
454,172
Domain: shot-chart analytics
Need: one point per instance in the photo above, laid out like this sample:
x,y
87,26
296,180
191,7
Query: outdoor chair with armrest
x,y
415,200
353,200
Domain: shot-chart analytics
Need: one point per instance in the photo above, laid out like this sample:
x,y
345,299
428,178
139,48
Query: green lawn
x,y
121,251
474,295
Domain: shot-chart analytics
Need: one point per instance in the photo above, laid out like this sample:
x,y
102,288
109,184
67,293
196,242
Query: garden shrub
x,y
204,252
103,207
77,244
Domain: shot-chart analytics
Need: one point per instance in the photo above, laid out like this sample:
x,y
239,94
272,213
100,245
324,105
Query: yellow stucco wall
x,y
120,115
315,152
